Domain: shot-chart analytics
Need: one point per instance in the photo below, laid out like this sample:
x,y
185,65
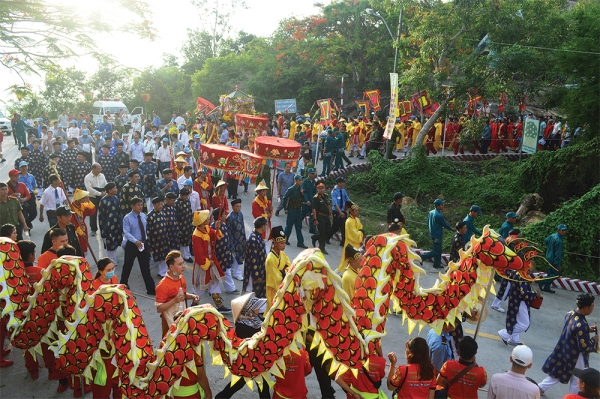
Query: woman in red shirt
x,y
367,382
105,273
416,380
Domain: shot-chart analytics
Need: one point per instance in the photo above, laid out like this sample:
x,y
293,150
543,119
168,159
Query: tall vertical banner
x,y
325,108
389,127
530,135
373,97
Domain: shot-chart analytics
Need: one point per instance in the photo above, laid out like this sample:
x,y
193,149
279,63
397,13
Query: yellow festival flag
x,y
389,127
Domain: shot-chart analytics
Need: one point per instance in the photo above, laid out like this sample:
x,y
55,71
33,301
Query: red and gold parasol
x,y
230,159
256,123
277,148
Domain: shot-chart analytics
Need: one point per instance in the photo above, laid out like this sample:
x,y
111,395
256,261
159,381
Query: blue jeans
x,y
436,253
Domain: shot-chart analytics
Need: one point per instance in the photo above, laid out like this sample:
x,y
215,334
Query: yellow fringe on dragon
x,y
310,296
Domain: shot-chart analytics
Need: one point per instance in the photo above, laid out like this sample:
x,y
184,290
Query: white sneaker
x,y
498,309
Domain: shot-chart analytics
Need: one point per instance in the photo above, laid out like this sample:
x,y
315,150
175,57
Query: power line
x,y
541,48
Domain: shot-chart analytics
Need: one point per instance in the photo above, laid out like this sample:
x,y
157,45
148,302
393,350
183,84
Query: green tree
x,y
169,89
579,66
197,48
62,90
112,82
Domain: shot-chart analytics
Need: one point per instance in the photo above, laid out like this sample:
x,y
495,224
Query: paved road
x,y
545,328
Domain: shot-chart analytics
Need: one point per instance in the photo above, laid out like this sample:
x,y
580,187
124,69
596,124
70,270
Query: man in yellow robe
x,y
354,260
276,264
437,143
354,231
416,129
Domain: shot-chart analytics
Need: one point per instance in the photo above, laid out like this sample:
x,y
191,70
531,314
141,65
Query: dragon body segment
x,y
81,325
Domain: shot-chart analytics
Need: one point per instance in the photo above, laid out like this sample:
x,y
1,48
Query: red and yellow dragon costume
x,y
310,296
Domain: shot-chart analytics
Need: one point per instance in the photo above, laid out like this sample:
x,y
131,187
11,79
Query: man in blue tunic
x,y
224,249
185,216
573,348
148,168
109,167
80,169
36,166
167,184
235,224
110,221
67,160
158,239
172,225
518,315
554,254
470,222
130,191
256,256
437,224
508,225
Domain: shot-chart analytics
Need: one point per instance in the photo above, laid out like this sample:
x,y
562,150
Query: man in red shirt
x,y
466,387
293,383
59,239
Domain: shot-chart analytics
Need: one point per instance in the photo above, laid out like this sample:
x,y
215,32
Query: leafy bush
x,y
561,175
581,216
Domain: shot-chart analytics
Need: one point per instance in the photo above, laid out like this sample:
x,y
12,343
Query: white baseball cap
x,y
522,355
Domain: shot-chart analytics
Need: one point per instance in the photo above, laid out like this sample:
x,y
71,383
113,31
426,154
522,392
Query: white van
x,y
5,126
115,105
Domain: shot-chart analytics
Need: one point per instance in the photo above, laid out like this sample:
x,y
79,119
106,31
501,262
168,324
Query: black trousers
x,y
339,223
322,234
131,253
94,217
322,373
243,331
31,212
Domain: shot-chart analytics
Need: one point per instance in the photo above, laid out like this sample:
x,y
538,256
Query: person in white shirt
x,y
149,143
194,196
163,155
187,175
94,184
73,130
52,198
286,133
513,384
179,120
184,137
136,126
63,118
136,149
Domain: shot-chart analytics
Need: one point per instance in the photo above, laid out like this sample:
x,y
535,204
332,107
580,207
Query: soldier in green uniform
x,y
292,205
321,215
554,254
329,145
309,188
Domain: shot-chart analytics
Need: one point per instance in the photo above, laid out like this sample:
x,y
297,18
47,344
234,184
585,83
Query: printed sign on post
x,y
286,106
530,135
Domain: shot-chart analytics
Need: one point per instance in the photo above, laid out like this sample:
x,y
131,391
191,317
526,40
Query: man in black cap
x,y
394,211
321,216
573,348
63,216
